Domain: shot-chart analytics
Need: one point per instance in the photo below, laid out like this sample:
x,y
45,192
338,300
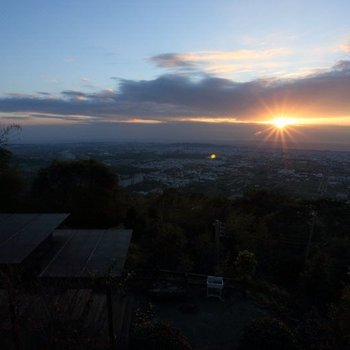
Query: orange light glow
x,y
281,132
281,123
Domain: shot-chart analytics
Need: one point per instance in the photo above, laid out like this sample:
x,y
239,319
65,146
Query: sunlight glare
x,y
281,123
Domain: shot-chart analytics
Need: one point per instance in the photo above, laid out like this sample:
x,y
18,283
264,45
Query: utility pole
x,y
311,233
219,233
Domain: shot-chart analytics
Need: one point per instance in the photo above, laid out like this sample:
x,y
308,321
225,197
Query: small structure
x,y
88,255
22,236
87,258
23,240
215,285
73,259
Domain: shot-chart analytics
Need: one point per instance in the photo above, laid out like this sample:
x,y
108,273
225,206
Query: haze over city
x,y
198,71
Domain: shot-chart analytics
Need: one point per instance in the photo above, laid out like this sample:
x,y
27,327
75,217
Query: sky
x,y
198,70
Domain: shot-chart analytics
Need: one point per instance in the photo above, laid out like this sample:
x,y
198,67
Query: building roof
x,y
21,234
89,254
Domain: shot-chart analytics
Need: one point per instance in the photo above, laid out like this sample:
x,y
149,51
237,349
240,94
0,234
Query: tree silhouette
x,y
85,188
11,181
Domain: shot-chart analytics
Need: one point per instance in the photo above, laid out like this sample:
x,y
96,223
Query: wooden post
x,y
12,309
219,232
311,232
110,317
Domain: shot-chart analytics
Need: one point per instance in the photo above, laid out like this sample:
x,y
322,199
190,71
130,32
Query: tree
x,y
5,154
327,330
151,334
5,157
11,181
268,334
339,320
11,186
85,188
165,247
325,273
245,265
155,335
245,231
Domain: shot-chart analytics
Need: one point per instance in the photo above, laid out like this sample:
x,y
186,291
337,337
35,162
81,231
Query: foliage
x,y
152,334
5,157
11,180
325,273
263,202
174,230
165,247
247,230
11,187
339,316
5,133
85,188
330,330
245,265
272,297
268,334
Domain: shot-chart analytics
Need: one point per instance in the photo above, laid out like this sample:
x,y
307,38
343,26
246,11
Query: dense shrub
x,y
156,335
268,334
245,265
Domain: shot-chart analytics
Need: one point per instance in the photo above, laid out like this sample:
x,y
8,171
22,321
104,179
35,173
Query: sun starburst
x,y
282,122
280,132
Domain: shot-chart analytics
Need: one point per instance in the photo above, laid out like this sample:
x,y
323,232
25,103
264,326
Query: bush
x,y
245,265
268,334
155,335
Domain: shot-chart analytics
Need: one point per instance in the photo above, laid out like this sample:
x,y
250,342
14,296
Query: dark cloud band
x,y
179,96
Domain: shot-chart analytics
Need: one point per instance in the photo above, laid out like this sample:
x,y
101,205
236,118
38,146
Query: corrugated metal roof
x,y
90,254
21,234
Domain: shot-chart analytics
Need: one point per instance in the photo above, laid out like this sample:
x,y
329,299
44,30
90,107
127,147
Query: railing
x,y
188,278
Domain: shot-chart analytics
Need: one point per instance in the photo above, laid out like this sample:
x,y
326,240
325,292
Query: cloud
x,y
171,60
181,59
84,79
221,61
345,47
342,67
179,97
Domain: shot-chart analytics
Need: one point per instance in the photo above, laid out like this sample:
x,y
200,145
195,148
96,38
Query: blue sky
x,y
114,48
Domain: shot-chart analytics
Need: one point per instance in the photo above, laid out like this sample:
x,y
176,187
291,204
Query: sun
x,y
281,123
280,131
